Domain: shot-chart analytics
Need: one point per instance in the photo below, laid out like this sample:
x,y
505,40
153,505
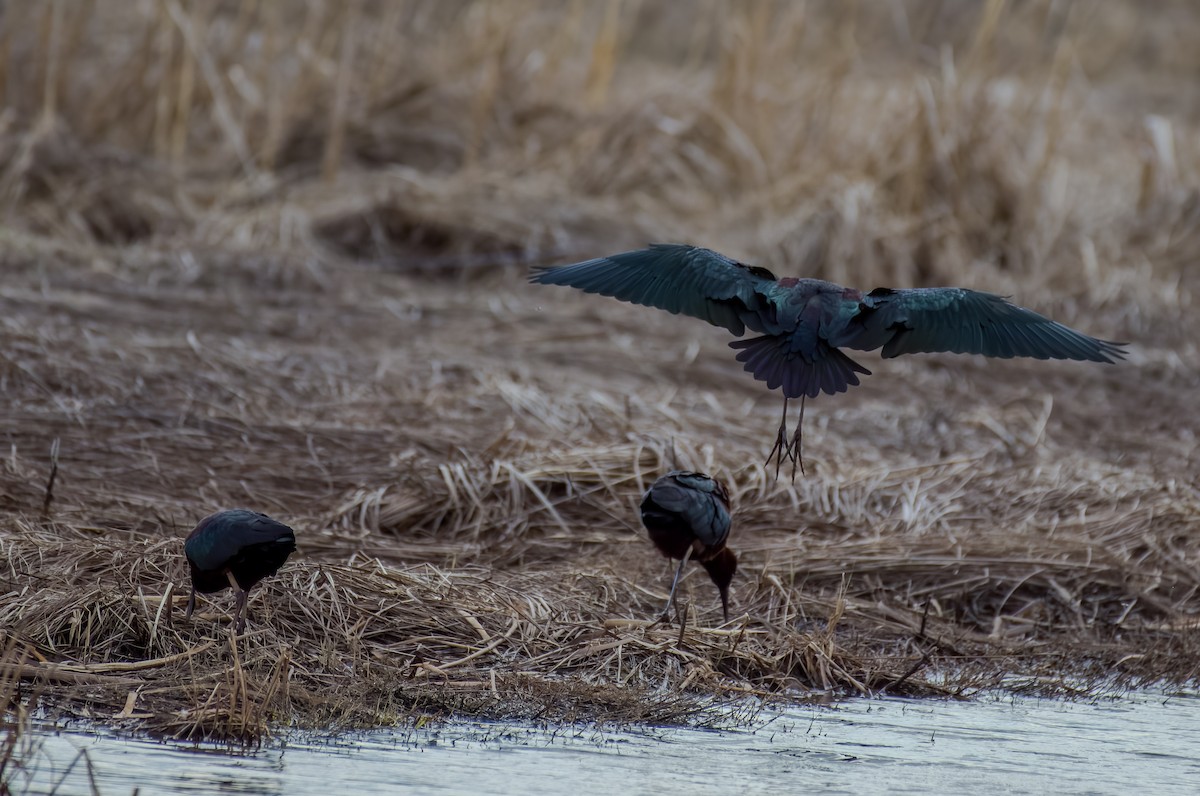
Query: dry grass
x,y
14,718
273,255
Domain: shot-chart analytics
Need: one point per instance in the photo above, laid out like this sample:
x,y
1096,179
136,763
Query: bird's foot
x,y
664,618
796,452
788,450
792,450
780,451
782,448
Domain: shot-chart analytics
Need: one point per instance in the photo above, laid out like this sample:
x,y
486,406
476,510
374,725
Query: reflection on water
x,y
1140,743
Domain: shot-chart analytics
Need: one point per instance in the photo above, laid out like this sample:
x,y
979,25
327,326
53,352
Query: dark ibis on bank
x,y
235,549
687,515
803,323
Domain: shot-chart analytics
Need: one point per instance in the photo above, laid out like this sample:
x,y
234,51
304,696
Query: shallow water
x,y
1139,743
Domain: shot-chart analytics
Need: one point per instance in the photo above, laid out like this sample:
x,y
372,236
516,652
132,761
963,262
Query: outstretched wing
x,y
680,279
965,322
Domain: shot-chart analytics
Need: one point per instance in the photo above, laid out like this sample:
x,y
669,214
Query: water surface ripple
x,y
1141,743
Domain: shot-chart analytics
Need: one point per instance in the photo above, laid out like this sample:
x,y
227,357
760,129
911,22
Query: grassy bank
x,y
273,255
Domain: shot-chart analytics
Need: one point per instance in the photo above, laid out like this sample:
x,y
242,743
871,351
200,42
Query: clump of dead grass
x,y
364,643
538,617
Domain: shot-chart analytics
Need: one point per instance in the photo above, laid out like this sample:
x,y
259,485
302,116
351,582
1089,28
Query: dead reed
x,y
272,255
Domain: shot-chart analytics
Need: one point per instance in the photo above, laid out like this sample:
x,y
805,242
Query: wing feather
x,y
775,360
685,280
692,499
217,539
966,322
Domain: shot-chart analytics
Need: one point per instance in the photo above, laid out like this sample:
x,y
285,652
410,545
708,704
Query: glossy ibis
x,y
802,323
235,548
687,515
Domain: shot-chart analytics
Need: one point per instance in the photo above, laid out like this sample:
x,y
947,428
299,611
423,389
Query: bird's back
x,y
684,507
248,544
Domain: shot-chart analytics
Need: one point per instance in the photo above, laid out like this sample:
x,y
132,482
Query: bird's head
x,y
721,568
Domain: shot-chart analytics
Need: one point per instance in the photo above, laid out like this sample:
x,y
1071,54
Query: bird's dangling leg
x,y
796,449
782,449
191,605
666,612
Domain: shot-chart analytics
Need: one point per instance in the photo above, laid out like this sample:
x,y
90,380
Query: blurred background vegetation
x,y
1047,143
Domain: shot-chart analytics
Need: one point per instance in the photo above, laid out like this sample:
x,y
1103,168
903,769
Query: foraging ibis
x,y
687,515
235,548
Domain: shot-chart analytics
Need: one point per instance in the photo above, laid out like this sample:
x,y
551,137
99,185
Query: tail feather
x,y
774,360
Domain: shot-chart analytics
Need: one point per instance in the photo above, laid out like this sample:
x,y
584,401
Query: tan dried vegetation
x,y
273,255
